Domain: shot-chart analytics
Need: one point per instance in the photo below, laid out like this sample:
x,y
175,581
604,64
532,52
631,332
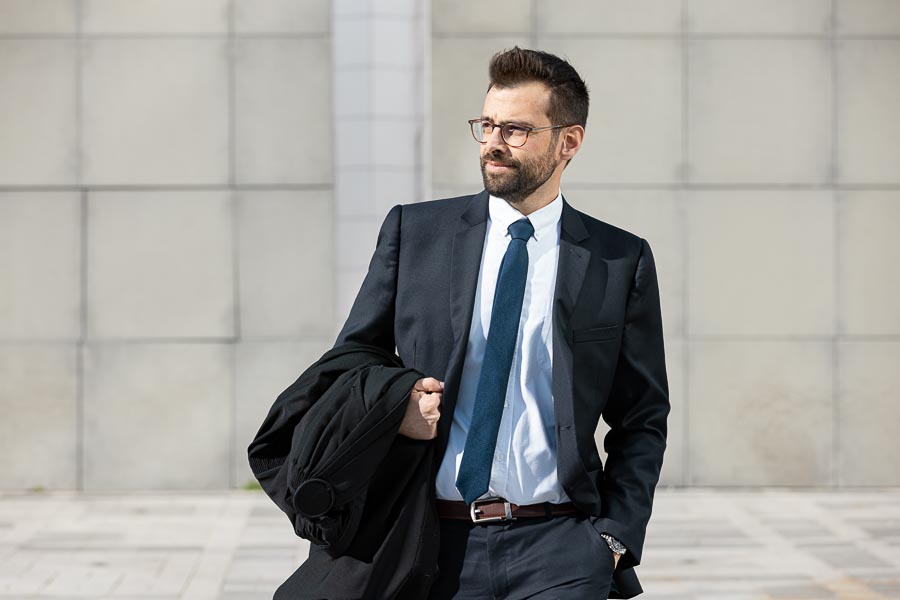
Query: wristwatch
x,y
614,544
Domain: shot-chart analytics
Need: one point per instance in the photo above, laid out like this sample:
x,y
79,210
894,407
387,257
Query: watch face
x,y
614,544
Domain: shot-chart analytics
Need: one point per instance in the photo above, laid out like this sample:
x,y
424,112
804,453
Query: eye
x,y
514,132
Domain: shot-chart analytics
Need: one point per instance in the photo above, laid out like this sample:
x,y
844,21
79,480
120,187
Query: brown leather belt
x,y
492,510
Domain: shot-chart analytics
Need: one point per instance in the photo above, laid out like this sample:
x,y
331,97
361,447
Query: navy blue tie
x,y
475,467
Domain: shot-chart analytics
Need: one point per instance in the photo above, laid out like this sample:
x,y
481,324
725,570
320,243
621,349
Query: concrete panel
x,y
759,16
39,394
349,282
37,16
760,263
155,111
469,16
353,92
868,96
601,16
394,187
392,146
364,233
869,279
359,154
394,93
759,111
157,416
372,193
459,83
353,193
674,469
634,131
286,249
38,112
868,16
40,265
170,16
282,16
657,217
868,412
453,191
283,111
352,43
263,370
160,264
396,42
760,412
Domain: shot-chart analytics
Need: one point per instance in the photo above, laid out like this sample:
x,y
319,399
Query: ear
x,y
572,138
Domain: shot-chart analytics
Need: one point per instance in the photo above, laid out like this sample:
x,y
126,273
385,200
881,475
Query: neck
x,y
537,199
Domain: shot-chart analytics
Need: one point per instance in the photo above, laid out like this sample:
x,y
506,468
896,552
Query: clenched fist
x,y
423,410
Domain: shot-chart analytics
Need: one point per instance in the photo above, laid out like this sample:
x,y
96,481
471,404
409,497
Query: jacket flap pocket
x,y
587,334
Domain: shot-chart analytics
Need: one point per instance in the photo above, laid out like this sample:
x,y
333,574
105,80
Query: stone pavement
x,y
701,544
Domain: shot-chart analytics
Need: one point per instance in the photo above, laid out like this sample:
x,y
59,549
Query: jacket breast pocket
x,y
595,334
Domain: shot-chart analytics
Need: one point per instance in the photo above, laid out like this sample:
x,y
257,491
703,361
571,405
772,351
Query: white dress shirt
x,y
524,467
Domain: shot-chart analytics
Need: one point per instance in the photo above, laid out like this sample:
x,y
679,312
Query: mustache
x,y
504,163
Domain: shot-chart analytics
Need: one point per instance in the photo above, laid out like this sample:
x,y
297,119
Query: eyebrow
x,y
515,121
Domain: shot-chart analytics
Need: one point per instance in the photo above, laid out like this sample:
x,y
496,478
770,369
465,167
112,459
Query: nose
x,y
494,141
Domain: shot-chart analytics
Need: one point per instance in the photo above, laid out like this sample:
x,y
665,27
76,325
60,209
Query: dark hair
x,y
568,92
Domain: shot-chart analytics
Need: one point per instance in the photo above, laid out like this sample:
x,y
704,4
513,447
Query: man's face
x,y
514,173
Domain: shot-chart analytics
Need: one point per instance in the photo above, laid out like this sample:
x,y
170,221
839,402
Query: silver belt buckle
x,y
473,509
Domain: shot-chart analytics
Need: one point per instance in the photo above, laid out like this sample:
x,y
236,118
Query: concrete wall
x,y
182,232
166,233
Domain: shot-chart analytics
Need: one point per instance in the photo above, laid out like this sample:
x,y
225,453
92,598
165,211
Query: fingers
x,y
429,384
430,406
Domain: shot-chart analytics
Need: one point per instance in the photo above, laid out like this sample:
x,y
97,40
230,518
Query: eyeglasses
x,y
513,134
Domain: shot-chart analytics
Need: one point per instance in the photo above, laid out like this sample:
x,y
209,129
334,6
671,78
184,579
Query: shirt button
x,y
498,457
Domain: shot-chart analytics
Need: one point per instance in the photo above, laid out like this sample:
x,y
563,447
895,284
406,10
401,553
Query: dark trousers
x,y
563,558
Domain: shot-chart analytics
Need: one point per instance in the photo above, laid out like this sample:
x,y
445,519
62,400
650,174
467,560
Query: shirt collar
x,y
543,219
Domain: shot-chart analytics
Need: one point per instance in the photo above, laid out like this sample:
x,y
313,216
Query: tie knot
x,y
521,229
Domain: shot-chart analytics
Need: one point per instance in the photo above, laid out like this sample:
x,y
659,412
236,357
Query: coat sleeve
x,y
270,448
371,318
636,412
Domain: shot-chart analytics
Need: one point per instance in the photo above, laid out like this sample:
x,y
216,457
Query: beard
x,y
521,179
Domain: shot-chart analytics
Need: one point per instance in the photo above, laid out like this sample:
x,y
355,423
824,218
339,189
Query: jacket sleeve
x,y
371,319
636,412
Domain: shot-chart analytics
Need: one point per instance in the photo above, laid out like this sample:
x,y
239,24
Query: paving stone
x,y
702,544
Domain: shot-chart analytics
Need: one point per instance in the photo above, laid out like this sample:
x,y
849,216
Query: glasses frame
x,y
528,130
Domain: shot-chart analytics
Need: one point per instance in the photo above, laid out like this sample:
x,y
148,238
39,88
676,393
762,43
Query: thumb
x,y
430,384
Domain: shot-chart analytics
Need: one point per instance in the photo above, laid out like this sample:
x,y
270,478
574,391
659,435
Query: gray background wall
x,y
182,232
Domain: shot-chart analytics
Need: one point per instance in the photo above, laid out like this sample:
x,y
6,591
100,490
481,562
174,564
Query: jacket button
x,y
314,498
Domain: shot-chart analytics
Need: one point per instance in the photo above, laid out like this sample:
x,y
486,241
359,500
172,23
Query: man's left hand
x,y
616,558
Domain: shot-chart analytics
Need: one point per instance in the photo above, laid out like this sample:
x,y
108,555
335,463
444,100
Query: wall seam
x,y
834,173
682,203
80,347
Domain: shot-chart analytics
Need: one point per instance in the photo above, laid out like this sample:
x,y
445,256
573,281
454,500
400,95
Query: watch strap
x,y
615,545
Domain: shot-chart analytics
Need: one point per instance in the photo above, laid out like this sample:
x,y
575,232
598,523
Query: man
x,y
532,319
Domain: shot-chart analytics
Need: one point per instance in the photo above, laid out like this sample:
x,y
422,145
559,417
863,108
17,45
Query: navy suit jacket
x,y
608,357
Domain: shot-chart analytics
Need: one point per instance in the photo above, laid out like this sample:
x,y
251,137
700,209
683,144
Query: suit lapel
x,y
465,263
571,271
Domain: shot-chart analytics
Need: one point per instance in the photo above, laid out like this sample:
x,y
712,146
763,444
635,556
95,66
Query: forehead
x,y
526,102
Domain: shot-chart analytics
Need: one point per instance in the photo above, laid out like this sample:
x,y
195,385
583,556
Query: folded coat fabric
x,y
329,456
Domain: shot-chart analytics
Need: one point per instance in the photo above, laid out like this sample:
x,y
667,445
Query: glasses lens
x,y
478,130
514,135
